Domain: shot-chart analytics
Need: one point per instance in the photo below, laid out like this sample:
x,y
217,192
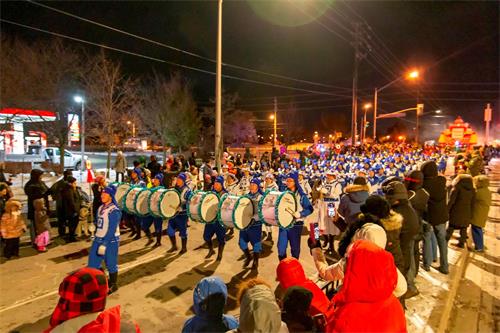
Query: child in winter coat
x,y
42,225
480,208
84,214
12,227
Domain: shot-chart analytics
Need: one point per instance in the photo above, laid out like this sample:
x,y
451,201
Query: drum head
x,y
154,202
227,205
209,207
130,199
121,191
169,202
267,208
286,206
243,213
142,202
192,206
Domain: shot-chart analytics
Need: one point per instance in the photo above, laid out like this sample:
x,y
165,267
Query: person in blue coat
x,y
107,237
304,209
179,221
253,233
209,300
149,220
217,227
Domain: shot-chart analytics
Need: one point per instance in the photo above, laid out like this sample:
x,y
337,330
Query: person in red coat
x,y
290,273
366,303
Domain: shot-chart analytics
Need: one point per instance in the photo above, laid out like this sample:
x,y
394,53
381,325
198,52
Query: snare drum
x,y
130,199
235,211
141,205
203,206
277,208
169,201
154,201
121,192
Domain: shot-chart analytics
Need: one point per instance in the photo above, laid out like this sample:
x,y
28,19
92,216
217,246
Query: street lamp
x,y
363,130
79,99
133,127
274,118
413,75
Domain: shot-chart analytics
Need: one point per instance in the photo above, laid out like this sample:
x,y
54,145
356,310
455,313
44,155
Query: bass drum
x,y
142,202
277,209
170,201
203,206
154,201
130,199
235,211
121,192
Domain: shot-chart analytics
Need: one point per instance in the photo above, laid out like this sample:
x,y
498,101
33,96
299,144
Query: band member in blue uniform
x,y
107,237
304,208
253,233
216,227
179,221
157,222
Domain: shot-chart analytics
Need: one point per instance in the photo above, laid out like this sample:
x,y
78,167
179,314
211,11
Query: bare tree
x,y
41,75
170,112
111,96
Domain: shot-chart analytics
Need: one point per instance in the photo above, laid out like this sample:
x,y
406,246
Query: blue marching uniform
x,y
253,233
293,234
107,239
216,228
180,220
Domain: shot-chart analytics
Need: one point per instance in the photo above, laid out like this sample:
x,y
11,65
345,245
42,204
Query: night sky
x,y
456,44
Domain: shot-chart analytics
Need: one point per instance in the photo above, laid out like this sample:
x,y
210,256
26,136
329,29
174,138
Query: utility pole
x,y
375,103
218,92
275,141
357,57
487,120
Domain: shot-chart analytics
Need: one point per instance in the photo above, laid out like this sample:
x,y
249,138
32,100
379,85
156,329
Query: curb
x,y
455,282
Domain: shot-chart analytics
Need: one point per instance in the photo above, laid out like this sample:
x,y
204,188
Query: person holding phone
x,y
328,204
304,209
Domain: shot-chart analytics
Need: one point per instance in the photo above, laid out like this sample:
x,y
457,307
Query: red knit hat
x,y
83,291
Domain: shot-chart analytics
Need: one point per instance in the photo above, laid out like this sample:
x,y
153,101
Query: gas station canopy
x,y
10,115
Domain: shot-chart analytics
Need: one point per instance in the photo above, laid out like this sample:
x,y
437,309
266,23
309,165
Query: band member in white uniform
x,y
328,204
270,185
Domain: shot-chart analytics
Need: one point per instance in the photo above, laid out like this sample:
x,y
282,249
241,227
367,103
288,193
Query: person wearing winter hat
x,y
355,196
12,227
368,226
216,228
366,301
397,196
304,209
295,311
253,233
328,204
107,237
289,274
209,300
149,220
179,221
81,306
259,311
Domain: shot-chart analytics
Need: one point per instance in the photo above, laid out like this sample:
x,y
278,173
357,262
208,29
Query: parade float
x,y
458,134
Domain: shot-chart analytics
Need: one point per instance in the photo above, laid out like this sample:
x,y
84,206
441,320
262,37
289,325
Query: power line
x,y
166,61
184,51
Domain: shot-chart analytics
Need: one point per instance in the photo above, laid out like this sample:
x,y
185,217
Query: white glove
x,y
296,215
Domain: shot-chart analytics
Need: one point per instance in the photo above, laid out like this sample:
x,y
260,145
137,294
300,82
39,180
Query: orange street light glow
x,y
413,74
271,117
367,105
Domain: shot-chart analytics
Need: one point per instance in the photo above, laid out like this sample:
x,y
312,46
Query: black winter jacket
x,y
461,202
435,185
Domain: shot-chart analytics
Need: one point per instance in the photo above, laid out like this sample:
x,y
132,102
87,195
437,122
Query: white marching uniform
x,y
331,198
